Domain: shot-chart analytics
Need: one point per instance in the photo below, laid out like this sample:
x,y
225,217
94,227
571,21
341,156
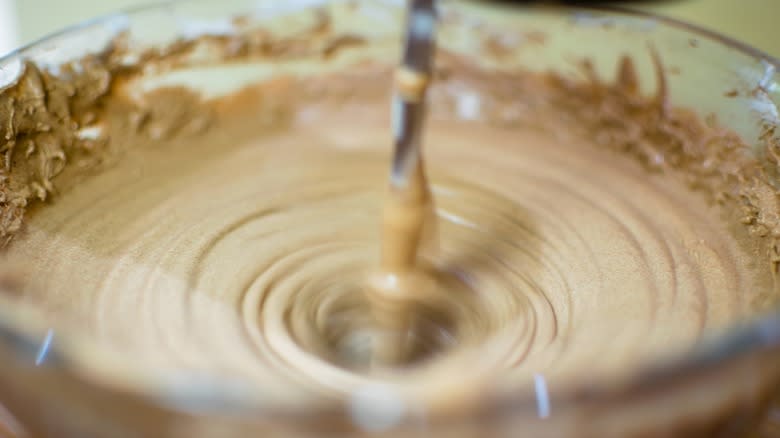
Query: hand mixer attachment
x,y
411,83
409,218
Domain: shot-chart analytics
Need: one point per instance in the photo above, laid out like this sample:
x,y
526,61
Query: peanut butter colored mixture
x,y
580,228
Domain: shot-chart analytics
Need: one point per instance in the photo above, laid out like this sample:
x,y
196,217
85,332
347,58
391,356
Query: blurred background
x,y
751,21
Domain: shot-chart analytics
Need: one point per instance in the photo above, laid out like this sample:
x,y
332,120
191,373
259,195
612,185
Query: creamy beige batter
x,y
581,229
246,255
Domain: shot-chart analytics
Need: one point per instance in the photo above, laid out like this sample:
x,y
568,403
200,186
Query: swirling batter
x,y
568,241
246,255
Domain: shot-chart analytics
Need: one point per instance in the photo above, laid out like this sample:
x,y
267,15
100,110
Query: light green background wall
x,y
752,21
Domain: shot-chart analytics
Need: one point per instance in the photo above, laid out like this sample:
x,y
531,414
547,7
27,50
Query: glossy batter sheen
x,y
248,257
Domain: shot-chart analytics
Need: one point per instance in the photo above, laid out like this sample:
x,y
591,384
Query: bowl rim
x,y
737,340
702,31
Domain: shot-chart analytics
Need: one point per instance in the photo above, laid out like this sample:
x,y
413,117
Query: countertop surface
x,y
751,21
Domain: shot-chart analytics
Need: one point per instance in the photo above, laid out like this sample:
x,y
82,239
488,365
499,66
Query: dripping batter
x,y
402,285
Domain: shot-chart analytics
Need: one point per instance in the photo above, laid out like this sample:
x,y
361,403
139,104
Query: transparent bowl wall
x,y
739,372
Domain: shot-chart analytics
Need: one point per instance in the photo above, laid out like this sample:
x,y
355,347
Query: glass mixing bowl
x,y
55,385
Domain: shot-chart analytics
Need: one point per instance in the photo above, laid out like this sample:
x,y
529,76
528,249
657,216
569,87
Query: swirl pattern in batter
x,y
246,256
